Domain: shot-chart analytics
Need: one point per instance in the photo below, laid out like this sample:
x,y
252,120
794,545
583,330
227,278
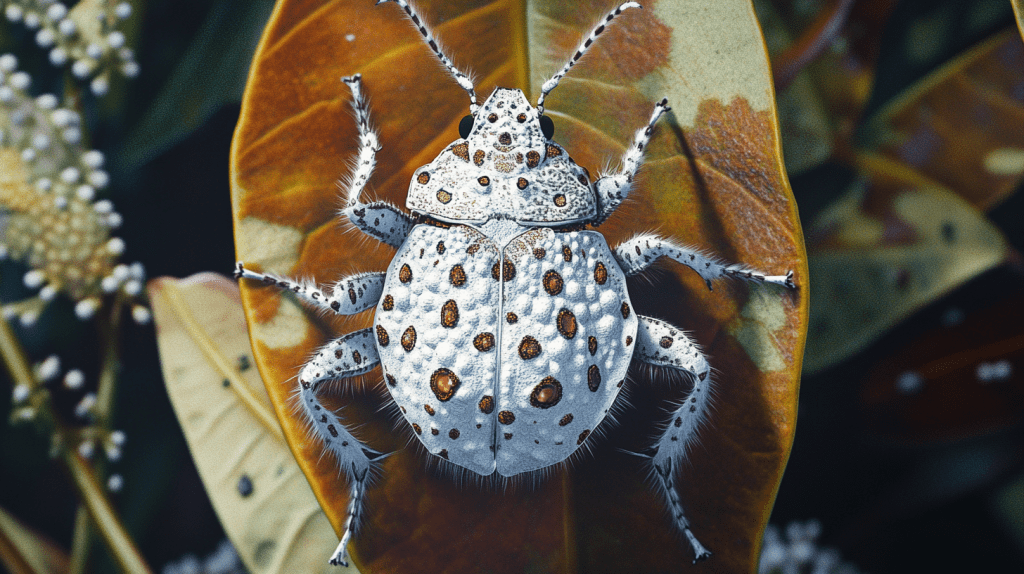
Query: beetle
x,y
503,324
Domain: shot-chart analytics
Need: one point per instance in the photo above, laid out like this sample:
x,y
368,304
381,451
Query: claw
x,y
239,270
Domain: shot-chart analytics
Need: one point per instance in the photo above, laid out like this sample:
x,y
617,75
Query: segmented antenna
x,y
550,84
462,79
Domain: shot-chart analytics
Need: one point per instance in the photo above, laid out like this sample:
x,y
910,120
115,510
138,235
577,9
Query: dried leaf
x,y
24,551
259,493
713,178
963,125
955,382
894,243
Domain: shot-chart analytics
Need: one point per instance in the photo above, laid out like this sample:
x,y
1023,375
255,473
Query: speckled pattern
x,y
568,294
527,178
561,336
430,254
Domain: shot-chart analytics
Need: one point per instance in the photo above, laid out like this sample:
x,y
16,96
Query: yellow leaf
x,y
257,489
24,551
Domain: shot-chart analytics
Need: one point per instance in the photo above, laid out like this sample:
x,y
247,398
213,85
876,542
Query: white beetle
x,y
503,326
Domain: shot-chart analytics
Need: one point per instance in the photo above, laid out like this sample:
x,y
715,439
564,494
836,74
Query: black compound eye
x,y
547,127
465,126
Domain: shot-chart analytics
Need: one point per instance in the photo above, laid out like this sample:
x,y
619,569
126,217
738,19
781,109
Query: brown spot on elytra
x,y
679,422
484,180
505,138
443,454
417,428
423,178
566,323
405,273
529,348
592,345
388,304
457,276
532,159
583,437
620,383
665,342
552,151
483,342
521,118
629,340
506,269
565,420
356,357
409,338
519,158
506,417
435,432
429,409
593,378
582,179
522,183
492,118
560,200
539,252
440,247
444,383
600,273
391,379
449,314
443,196
511,318
508,436
625,310
453,434
566,253
461,151
487,404
472,249
547,393
332,430
352,295
478,157
338,353
553,283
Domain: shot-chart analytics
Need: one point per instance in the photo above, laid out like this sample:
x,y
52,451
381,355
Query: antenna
x,y
550,84
462,79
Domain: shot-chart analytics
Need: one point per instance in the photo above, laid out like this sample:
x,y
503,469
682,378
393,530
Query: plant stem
x,y
90,492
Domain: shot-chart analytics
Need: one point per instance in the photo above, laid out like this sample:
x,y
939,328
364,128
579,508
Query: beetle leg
x,y
349,355
380,220
664,345
637,254
349,296
613,188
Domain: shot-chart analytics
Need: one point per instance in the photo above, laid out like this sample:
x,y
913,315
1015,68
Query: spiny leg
x,y
613,188
346,297
640,252
379,220
550,84
350,355
463,80
663,345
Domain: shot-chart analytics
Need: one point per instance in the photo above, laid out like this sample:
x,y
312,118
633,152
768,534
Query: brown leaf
x,y
963,125
892,244
713,179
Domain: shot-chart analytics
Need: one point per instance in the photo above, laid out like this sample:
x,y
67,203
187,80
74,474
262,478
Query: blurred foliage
x,y
908,464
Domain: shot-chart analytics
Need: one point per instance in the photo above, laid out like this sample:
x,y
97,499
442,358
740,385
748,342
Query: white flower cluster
x,y
798,552
223,560
83,37
29,399
49,184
